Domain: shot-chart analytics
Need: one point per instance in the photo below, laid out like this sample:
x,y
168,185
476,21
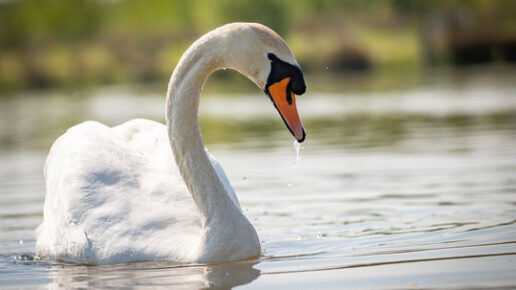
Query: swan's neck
x,y
185,136
227,234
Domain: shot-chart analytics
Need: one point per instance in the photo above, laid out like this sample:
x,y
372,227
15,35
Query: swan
x,y
145,191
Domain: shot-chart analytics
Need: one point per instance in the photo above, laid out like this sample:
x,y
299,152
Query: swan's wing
x,y
225,181
106,188
155,133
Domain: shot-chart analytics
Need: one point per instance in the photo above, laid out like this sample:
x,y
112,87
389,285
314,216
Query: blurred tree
x,y
79,42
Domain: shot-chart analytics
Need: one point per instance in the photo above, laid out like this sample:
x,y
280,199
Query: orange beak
x,y
285,102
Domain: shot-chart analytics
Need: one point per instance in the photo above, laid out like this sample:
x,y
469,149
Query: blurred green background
x,y
373,44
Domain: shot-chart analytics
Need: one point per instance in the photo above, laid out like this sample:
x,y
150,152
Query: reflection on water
x,y
393,190
153,274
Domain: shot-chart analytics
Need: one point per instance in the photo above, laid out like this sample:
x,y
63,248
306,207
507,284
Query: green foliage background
x,y
70,43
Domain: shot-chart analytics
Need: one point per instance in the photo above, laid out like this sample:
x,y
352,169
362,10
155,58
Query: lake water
x,y
400,189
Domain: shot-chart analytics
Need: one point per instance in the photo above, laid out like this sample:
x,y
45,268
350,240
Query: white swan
x,y
115,195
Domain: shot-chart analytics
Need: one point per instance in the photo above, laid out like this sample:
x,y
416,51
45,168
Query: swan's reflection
x,y
154,274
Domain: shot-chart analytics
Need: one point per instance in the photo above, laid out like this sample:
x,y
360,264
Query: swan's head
x,y
263,56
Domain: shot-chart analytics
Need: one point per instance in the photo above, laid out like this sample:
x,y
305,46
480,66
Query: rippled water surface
x,y
412,189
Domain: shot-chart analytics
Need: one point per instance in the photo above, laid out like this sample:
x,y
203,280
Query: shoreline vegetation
x,y
86,43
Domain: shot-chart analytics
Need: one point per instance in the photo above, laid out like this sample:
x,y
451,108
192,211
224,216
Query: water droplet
x,y
21,241
297,147
326,68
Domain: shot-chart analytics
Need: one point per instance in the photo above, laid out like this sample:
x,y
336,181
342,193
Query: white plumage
x,y
120,194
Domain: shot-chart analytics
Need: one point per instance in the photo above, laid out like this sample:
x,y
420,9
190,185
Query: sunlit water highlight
x,y
408,194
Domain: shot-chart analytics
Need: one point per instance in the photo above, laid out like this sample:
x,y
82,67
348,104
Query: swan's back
x,y
106,191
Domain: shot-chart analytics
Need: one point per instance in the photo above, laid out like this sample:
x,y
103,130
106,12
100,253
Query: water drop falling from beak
x,y
297,147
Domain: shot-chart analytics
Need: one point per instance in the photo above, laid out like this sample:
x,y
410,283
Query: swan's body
x,y
122,197
115,195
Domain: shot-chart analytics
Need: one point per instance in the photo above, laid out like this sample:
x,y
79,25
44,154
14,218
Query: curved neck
x,y
185,86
